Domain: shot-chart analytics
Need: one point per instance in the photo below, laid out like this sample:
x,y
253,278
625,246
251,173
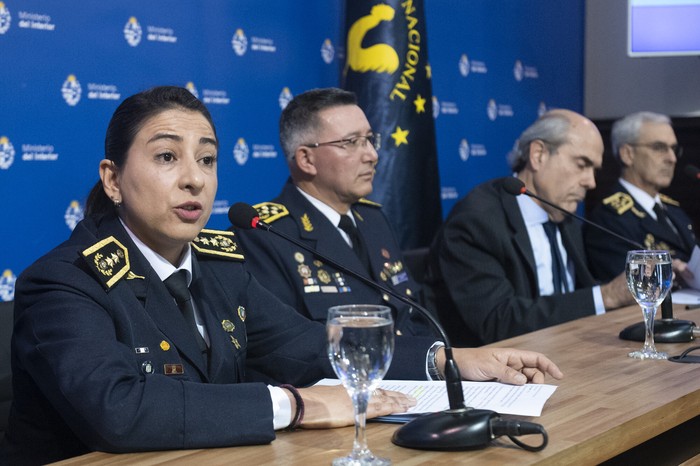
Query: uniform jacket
x,y
103,359
621,213
310,286
481,275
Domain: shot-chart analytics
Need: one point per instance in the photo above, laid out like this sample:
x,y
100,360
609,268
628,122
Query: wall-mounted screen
x,y
663,28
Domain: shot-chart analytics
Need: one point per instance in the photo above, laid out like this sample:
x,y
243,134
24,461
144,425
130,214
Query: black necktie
x,y
346,224
561,284
177,286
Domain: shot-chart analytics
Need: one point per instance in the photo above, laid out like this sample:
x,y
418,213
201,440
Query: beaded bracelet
x,y
299,415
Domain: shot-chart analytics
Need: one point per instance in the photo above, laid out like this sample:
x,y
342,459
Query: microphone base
x,y
665,331
454,429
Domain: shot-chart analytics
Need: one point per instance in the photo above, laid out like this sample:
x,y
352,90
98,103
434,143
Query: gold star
x,y
420,104
400,136
428,71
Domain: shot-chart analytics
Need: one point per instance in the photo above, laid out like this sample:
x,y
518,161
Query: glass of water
x,y
649,276
360,348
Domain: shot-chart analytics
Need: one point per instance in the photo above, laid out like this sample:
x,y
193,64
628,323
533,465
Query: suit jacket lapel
x,y
519,232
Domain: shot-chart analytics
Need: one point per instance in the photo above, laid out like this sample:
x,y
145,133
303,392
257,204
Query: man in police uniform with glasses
x,y
331,152
646,147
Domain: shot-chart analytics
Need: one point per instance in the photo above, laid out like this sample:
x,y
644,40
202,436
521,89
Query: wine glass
x,y
649,277
360,348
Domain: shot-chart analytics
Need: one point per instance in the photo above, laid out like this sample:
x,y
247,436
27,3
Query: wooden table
x,y
606,404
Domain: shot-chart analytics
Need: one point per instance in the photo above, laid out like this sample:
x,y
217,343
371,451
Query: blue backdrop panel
x,y
67,65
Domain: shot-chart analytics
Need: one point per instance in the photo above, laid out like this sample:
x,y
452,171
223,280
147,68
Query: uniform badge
x,y
299,257
132,276
147,367
217,243
141,350
109,260
228,326
304,270
164,345
241,313
318,263
173,369
324,276
385,253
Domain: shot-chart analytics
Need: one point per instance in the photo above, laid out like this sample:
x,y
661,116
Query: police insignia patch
x,y
217,243
270,211
109,260
306,223
620,202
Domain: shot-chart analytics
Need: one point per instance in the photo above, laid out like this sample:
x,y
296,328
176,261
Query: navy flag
x,y
387,67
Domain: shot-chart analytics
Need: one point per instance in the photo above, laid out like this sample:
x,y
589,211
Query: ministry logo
x,y
71,90
7,285
74,214
327,51
239,42
193,90
5,18
7,153
241,151
133,32
285,97
464,65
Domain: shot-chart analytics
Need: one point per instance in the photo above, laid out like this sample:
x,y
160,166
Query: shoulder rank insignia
x,y
270,211
217,243
667,200
109,260
368,202
622,202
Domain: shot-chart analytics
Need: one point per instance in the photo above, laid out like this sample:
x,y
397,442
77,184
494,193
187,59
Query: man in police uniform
x,y
645,145
331,154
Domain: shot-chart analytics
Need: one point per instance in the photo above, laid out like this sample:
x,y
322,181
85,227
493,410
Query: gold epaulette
x,y
270,211
217,243
369,203
667,200
109,260
622,202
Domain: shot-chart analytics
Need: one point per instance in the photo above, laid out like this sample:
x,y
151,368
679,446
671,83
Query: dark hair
x,y
127,121
299,119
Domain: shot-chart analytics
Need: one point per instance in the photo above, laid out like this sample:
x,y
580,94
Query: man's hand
x,y
505,365
616,293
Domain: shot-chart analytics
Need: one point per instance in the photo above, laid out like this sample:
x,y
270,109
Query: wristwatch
x,y
433,371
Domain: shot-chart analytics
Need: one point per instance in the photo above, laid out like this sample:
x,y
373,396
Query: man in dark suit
x,y
331,154
646,147
494,272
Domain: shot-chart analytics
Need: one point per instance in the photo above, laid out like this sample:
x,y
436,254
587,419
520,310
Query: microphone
x,y
667,329
692,171
457,428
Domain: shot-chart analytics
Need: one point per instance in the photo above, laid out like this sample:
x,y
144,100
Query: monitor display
x,y
663,28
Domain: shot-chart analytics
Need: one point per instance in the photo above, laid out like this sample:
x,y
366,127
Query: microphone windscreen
x,y
513,186
692,171
241,215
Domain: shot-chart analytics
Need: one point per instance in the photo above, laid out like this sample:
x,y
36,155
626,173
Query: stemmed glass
x,y
649,278
360,348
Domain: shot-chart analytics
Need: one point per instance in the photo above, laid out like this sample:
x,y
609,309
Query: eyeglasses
x,y
353,143
661,147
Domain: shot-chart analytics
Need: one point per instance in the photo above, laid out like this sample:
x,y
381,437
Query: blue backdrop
x,y
65,66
